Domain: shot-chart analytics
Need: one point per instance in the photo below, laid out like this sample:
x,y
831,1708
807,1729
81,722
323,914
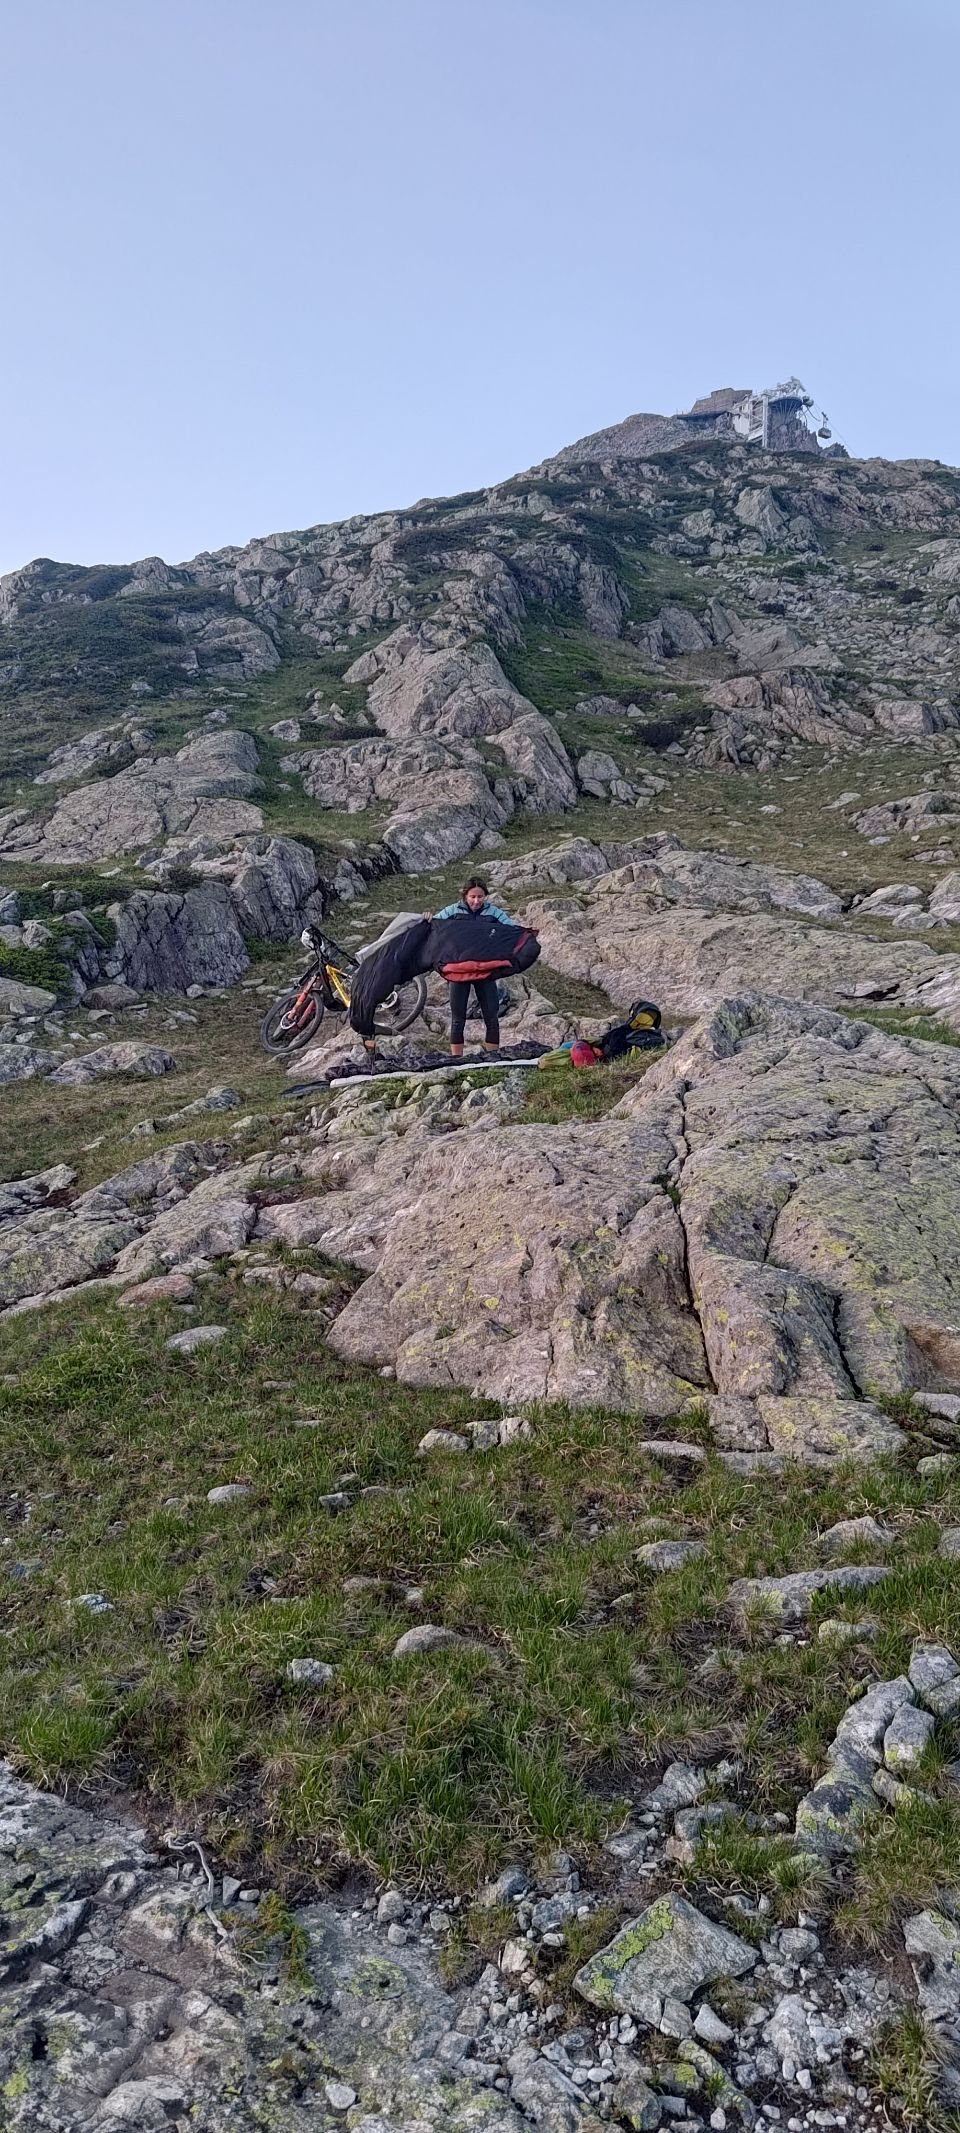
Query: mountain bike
x,y
293,1020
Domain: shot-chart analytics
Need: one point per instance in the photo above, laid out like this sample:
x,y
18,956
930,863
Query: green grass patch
x,y
91,1126
556,1093
32,966
580,1670
905,1862
900,1024
906,2068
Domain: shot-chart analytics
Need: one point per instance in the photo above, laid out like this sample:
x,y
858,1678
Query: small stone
x,y
513,1429
790,1599
397,1936
931,1666
339,2095
96,1603
838,1632
950,1543
484,1435
679,1787
663,1555
906,1737
671,1950
229,1492
391,1908
936,1463
864,1723
427,1637
509,1884
195,1337
164,1288
855,1532
626,1844
335,1500
891,1790
946,1404
675,2020
231,1890
635,2102
315,1672
249,1896
689,1824
442,1440
936,1677
709,2027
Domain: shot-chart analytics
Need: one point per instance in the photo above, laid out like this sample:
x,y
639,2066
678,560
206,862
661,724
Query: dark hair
x,y
473,883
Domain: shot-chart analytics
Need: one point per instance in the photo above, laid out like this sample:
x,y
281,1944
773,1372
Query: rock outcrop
x,y
684,928
259,889
809,1142
740,1229
165,942
202,791
796,1142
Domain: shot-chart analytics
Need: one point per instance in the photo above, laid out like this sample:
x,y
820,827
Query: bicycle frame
x,y
333,976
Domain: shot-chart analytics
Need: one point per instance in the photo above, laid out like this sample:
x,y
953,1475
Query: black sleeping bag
x,y
468,947
464,947
394,964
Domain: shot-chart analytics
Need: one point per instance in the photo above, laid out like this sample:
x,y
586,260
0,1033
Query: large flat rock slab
x,y
690,935
527,1262
760,1189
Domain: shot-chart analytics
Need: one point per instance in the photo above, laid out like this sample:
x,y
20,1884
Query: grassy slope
x,y
587,1670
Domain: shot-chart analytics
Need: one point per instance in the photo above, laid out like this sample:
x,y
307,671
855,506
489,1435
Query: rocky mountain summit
x,y
478,1549
586,636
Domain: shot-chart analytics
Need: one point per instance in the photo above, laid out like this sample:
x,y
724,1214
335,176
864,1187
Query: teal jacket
x,y
488,909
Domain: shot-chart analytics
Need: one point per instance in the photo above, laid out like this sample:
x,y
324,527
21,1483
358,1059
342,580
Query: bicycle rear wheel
x,y
400,1008
286,1027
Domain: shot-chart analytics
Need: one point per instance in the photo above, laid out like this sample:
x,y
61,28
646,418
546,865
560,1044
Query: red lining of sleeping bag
x,y
472,973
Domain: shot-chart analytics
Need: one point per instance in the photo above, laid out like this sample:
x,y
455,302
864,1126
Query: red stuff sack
x,y
583,1054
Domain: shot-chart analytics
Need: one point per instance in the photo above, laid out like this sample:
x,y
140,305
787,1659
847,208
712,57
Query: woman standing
x,y
474,902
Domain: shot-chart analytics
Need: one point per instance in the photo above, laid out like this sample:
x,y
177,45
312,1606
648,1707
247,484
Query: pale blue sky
x,y
270,262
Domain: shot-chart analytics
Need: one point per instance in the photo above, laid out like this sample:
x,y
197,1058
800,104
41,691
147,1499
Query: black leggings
x,y
487,991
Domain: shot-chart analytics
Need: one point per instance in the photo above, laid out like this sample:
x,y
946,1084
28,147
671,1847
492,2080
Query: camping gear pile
x,y
641,1032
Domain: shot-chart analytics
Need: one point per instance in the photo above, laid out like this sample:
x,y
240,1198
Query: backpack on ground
x,y
641,1032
